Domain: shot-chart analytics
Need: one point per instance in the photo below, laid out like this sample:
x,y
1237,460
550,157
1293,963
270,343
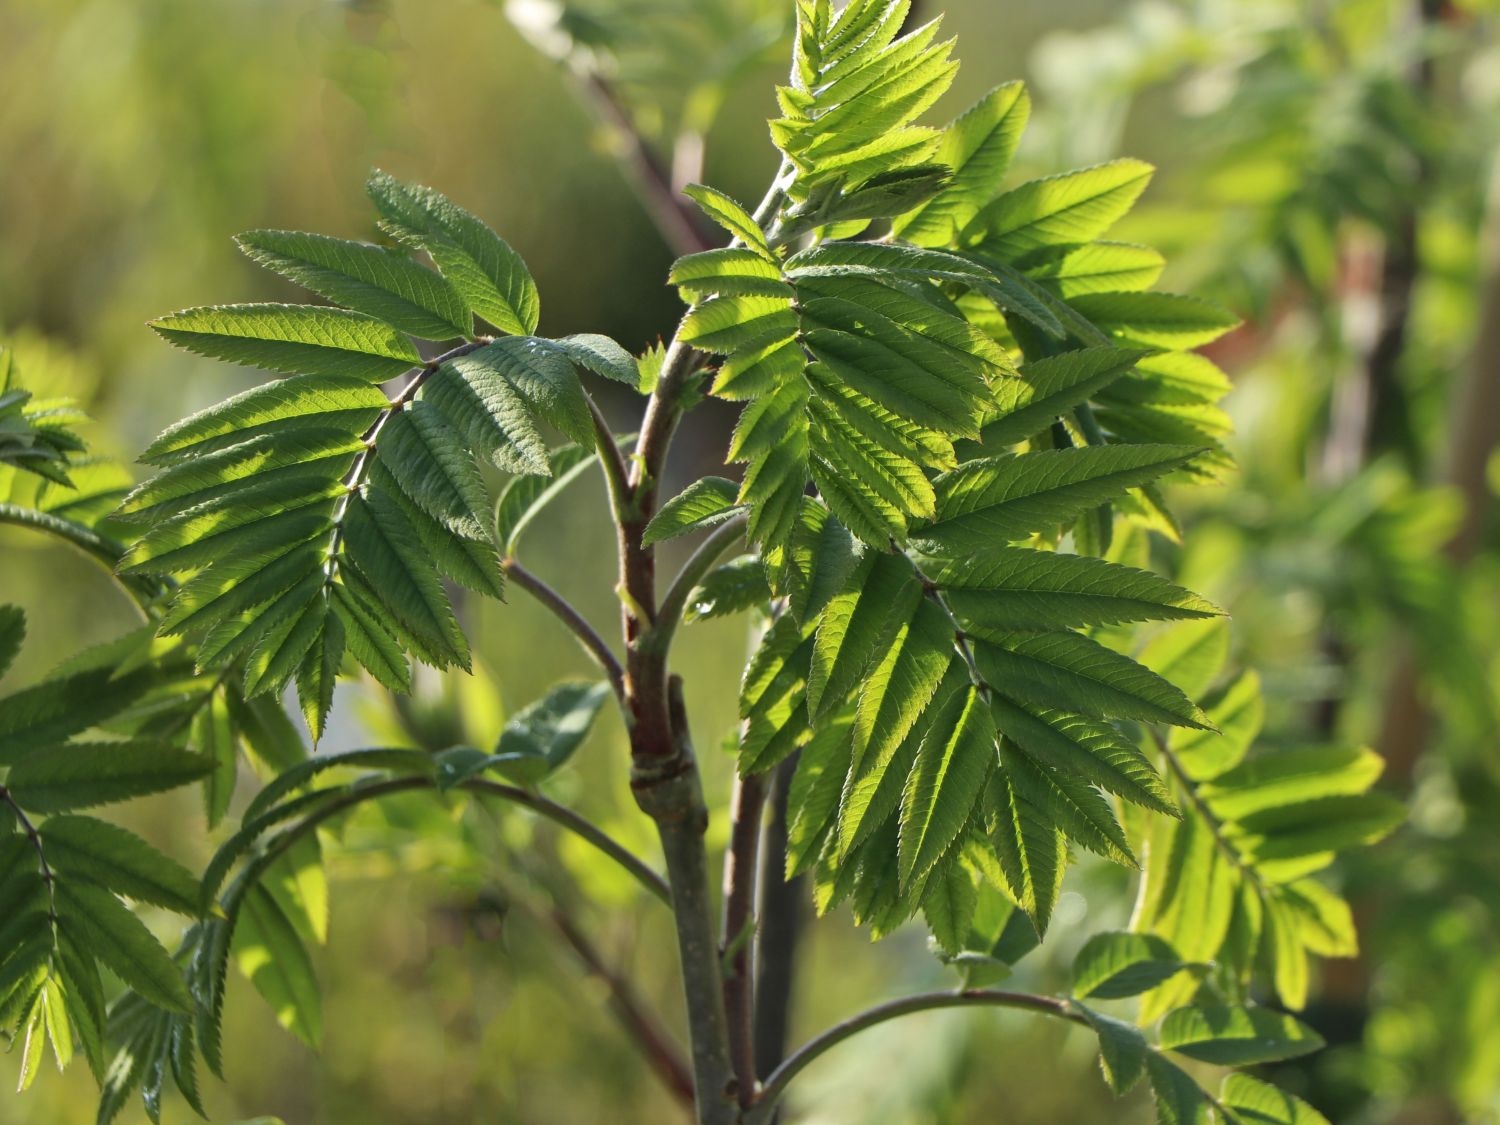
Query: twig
x,y
575,621
809,1052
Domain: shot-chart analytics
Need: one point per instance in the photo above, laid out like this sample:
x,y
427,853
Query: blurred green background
x,y
1326,168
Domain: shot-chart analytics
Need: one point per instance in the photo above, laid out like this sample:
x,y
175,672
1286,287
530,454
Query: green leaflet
x,y
475,396
213,737
812,802
1095,267
978,146
731,216
372,644
815,561
1235,1036
387,556
772,697
1078,809
1030,848
1291,777
270,953
261,516
538,739
1188,897
427,458
1122,1049
948,905
1011,588
12,633
952,765
472,562
1179,1100
602,356
1070,672
1238,710
773,436
727,324
1190,655
1259,1103
1049,388
119,861
320,401
1161,320
906,676
728,272
1070,208
702,504
317,671
734,587
98,773
544,378
1113,965
380,283
1310,830
104,927
279,652
1001,499
49,712
209,477
490,276
878,596
1095,751
296,339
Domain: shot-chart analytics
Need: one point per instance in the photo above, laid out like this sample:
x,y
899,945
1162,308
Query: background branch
x,y
737,935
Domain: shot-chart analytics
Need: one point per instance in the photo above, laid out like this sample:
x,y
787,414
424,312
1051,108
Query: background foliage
x,y
1338,158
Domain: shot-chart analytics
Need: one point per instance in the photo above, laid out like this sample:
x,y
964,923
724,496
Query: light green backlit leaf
x,y
296,339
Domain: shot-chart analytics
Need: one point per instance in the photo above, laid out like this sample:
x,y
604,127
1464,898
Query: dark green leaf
x,y
78,775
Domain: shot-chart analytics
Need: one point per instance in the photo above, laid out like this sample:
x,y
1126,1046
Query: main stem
x,y
664,772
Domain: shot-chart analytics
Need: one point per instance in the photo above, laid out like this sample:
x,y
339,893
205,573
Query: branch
x,y
558,814
809,1052
677,223
656,1046
737,935
575,621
